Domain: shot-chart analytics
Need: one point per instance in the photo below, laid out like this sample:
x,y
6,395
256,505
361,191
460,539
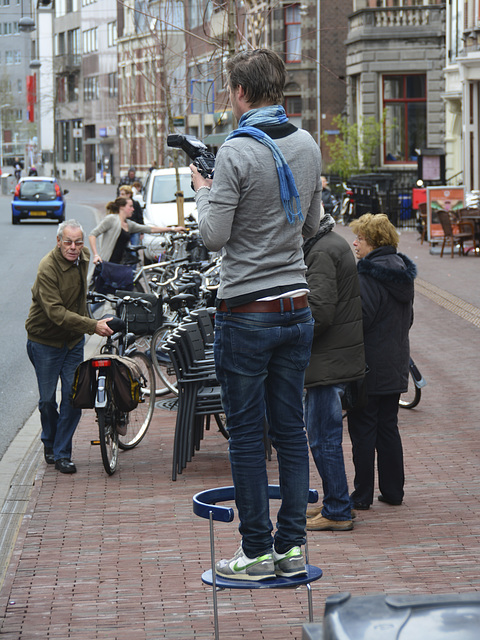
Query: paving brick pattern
x,y
121,557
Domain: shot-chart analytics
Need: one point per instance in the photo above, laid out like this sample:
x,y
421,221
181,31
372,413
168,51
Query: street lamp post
x,y
2,107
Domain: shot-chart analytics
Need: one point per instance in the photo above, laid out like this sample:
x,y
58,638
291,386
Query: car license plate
x,y
38,213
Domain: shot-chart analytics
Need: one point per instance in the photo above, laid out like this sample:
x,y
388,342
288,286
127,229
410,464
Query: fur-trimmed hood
x,y
394,270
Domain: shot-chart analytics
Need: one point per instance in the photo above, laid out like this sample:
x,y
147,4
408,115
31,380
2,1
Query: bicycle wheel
x,y
138,420
108,437
411,397
161,361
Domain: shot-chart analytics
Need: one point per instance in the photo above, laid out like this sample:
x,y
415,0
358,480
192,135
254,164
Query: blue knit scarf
x,y
267,116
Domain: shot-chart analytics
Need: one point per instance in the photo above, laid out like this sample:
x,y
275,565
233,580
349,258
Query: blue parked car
x,y
37,198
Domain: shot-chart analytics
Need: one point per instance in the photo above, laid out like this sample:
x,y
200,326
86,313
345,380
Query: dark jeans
x,y
375,428
260,360
51,364
323,417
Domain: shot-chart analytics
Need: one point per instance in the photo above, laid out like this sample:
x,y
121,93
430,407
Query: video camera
x,y
203,159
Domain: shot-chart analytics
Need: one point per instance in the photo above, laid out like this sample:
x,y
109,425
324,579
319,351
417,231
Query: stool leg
x,y
214,578
309,589
310,603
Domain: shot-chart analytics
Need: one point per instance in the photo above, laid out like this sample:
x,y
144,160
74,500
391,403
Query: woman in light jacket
x,y
115,230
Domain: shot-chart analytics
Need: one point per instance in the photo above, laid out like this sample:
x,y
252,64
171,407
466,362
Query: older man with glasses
x,y
56,327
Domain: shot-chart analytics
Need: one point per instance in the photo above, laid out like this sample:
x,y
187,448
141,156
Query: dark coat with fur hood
x,y
334,298
387,290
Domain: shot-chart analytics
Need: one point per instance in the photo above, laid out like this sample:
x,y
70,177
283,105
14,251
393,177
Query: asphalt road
x,y
21,249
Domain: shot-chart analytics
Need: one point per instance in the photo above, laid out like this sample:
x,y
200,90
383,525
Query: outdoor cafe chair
x,y
456,232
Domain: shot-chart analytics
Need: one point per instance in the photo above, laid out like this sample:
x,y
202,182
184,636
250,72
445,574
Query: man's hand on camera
x,y
198,180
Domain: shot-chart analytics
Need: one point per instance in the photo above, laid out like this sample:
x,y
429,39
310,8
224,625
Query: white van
x,y
161,204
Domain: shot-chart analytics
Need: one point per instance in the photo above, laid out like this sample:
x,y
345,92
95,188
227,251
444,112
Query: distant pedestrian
x,y
337,360
18,167
56,324
129,179
32,171
328,199
387,290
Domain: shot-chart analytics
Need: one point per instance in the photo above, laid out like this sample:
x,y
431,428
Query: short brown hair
x,y
261,73
377,230
127,188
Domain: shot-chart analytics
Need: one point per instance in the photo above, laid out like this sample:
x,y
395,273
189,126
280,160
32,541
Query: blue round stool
x,y
204,505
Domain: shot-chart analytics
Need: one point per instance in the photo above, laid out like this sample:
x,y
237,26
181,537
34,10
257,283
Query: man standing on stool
x,y
265,195
56,325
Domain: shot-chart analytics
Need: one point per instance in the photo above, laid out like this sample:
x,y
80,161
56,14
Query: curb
x,y
20,472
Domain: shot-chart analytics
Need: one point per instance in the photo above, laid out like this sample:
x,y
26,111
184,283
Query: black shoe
x,y
395,503
361,506
48,455
64,465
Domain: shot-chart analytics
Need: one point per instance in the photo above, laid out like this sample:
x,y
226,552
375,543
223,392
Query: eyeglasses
x,y
77,243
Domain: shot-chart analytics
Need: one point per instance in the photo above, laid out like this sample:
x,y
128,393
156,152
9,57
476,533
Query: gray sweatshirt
x,y
244,216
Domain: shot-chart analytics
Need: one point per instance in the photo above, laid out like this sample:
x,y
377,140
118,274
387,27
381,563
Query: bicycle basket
x,y
126,383
141,321
84,386
125,380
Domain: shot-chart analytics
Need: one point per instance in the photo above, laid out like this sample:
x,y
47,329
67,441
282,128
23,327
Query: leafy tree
x,y
355,149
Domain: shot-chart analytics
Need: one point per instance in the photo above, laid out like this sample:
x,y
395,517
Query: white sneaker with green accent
x,y
289,564
241,567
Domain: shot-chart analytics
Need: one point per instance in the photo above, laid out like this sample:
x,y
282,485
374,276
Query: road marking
x,y
448,301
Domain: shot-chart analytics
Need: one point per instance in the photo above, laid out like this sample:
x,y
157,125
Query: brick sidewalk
x,y
120,557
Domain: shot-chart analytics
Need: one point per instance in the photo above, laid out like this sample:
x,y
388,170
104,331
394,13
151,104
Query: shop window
x,y
405,108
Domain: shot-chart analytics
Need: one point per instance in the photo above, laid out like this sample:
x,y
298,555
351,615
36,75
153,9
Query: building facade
x,y
462,92
17,132
394,66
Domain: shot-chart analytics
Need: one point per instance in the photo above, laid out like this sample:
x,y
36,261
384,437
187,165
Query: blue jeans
x,y
52,363
323,417
260,361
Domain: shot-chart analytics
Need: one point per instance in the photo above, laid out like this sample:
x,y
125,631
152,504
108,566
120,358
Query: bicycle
x,y
416,382
120,429
193,295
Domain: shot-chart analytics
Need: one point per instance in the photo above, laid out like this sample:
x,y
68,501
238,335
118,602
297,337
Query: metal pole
x,y
2,107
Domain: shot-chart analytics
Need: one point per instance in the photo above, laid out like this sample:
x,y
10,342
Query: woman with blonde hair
x,y
387,290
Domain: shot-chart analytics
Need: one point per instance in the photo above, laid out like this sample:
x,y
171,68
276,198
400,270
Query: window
x,y
60,44
65,141
405,105
112,34
90,41
19,86
293,109
72,87
18,57
112,85
77,140
73,41
90,88
8,57
293,42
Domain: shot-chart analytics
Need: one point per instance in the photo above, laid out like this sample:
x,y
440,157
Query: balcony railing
x,y
396,17
68,61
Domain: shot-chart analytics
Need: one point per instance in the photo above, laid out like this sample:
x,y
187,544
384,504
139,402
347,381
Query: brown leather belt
x,y
268,306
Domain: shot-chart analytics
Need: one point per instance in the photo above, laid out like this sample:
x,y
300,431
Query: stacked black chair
x,y
198,392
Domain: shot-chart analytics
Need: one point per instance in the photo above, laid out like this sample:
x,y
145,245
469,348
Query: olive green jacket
x,y
58,314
